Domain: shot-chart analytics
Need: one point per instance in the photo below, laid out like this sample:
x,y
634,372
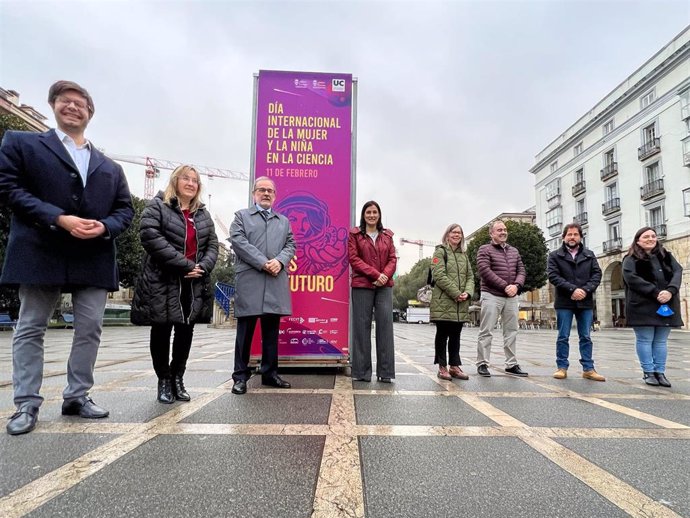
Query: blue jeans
x,y
651,347
564,321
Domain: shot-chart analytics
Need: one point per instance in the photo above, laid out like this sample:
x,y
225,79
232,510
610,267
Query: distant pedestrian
x,y
575,273
174,290
652,279
502,276
69,202
263,244
450,300
373,261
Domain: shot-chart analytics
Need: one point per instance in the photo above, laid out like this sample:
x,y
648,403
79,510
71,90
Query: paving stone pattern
x,y
331,447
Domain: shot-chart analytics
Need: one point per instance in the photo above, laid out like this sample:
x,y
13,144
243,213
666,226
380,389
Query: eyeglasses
x,y
77,103
264,190
189,179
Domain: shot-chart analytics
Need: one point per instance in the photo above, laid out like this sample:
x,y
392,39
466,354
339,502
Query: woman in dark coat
x,y
652,278
174,290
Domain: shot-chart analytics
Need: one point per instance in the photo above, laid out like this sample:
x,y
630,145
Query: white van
x,y
418,315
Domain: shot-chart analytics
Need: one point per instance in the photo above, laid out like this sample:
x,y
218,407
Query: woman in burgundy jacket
x,y
373,261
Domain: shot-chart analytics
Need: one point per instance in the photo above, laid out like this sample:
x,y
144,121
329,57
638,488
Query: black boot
x,y
178,389
650,379
165,394
661,378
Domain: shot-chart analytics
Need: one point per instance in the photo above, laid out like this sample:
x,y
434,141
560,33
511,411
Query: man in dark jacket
x,y
575,273
502,276
69,202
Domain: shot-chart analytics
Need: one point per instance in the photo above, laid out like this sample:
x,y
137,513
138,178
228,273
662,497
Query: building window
x,y
655,216
651,173
647,99
608,127
577,149
609,158
686,202
685,105
580,207
554,165
614,230
579,176
611,192
649,133
553,189
554,221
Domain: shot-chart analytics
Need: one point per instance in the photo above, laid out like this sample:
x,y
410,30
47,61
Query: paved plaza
x,y
330,447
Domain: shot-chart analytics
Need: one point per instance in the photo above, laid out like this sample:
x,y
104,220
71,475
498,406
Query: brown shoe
x,y
593,375
456,372
561,374
443,374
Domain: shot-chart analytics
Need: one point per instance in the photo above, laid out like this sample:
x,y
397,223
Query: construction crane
x,y
419,242
154,165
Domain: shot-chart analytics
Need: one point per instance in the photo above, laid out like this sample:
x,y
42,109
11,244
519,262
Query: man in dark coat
x,y
574,272
69,203
263,244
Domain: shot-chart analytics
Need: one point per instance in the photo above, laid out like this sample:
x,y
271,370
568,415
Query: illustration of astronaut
x,y
321,247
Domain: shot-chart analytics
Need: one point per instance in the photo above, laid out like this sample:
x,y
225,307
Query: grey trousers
x,y
379,302
492,308
37,305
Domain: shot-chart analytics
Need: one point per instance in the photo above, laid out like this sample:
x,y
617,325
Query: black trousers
x,y
269,346
182,341
447,333
160,348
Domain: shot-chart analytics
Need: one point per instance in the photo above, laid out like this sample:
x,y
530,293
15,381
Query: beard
x,y
572,247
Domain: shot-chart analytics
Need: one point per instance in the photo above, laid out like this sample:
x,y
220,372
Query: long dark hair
x,y
362,221
638,252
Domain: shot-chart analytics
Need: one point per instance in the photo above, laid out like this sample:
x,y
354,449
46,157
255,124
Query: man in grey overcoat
x,y
263,244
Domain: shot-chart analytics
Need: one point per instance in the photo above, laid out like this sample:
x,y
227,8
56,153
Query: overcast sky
x,y
455,98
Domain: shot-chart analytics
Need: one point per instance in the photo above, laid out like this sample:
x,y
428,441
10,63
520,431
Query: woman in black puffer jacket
x,y
174,290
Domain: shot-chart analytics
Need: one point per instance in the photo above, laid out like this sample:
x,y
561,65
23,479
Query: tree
x,y
130,253
529,241
9,300
406,286
224,270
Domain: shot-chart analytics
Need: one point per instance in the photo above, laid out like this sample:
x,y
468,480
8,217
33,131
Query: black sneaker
x,y
515,370
483,370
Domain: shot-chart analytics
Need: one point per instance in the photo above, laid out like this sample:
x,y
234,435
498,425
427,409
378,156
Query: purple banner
x,y
304,144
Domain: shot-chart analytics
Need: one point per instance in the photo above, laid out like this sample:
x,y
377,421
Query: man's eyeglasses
x,y
189,179
66,102
264,190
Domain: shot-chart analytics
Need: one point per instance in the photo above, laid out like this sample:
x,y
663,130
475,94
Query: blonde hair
x,y
451,227
171,190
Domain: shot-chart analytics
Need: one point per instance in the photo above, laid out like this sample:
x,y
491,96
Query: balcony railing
x,y
660,231
579,187
686,159
611,206
612,245
649,148
580,218
653,188
609,171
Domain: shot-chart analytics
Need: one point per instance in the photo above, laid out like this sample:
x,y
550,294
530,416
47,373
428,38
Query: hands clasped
x,y
273,266
81,228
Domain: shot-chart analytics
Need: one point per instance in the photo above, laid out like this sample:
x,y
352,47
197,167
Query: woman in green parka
x,y
450,301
